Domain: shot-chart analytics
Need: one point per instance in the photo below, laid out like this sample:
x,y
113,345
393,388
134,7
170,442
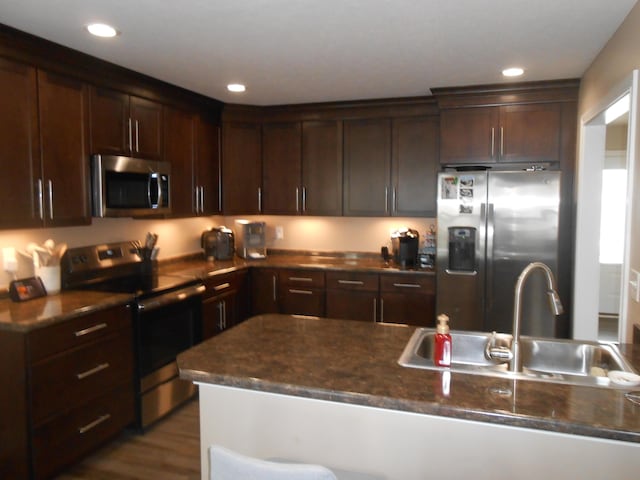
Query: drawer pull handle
x,y
222,286
350,282
92,371
86,331
95,423
406,285
301,279
302,292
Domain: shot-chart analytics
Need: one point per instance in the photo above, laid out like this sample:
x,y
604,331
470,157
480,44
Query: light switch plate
x,y
279,232
9,260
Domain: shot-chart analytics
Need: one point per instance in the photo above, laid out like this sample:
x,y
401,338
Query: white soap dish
x,y
627,379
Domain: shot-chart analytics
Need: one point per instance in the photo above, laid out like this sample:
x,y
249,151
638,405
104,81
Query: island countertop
x,y
356,362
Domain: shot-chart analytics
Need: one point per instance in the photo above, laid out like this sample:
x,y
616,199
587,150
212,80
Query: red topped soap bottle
x,y
442,350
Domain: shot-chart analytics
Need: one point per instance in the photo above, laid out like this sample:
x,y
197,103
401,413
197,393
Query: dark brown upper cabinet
x,y
44,148
281,168
63,189
367,167
414,166
242,168
322,167
125,125
510,133
19,146
191,146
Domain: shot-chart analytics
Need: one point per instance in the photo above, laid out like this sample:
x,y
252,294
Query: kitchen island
x,y
331,392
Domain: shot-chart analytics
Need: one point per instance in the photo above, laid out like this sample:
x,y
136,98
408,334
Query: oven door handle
x,y
171,297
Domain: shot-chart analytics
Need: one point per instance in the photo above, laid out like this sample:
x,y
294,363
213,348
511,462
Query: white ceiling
x,y
299,51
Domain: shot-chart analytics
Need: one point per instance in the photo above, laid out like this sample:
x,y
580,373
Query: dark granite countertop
x,y
356,362
41,312
38,313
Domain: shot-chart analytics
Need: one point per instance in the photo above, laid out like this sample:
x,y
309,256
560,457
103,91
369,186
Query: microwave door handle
x,y
149,202
159,188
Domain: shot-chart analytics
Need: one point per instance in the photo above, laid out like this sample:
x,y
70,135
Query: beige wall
x,y
612,66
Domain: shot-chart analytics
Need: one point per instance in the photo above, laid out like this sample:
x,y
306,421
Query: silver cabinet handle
x,y
407,285
493,139
350,282
92,371
130,135
382,310
137,136
297,199
259,199
201,199
386,199
222,286
197,199
50,183
95,423
394,201
300,279
275,288
224,312
304,199
86,331
220,316
301,292
40,199
375,306
501,141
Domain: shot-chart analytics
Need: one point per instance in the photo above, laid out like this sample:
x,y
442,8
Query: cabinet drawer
x,y
302,301
68,437
78,331
221,284
352,281
408,283
70,379
302,278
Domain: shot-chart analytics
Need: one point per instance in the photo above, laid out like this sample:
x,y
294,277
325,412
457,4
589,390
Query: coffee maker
x,y
251,239
217,243
404,244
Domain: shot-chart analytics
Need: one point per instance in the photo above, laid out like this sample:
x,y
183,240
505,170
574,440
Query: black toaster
x,y
218,243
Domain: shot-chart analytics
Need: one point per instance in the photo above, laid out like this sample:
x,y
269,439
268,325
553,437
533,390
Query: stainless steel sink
x,y
545,359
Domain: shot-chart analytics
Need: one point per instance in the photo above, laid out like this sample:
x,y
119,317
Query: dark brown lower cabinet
x,y
301,292
406,298
69,389
264,291
352,296
224,303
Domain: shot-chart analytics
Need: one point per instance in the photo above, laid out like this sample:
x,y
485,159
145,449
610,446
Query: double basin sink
x,y
546,359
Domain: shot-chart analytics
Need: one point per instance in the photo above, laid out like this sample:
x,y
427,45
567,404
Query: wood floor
x,y
169,450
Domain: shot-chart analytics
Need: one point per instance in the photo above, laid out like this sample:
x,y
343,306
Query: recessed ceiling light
x,y
512,72
236,87
101,30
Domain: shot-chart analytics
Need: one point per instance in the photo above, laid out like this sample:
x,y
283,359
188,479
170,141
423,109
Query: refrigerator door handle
x,y
490,218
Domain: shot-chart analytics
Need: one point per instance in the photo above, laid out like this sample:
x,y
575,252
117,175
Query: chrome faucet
x,y
515,363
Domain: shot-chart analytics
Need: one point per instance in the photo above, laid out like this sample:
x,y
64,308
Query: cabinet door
x,y
530,133
367,167
241,169
415,166
281,168
468,135
146,118
110,132
19,149
63,109
322,168
302,301
264,291
409,308
208,166
178,150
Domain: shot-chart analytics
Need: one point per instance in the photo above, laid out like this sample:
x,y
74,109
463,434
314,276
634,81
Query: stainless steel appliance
x,y
251,239
127,187
491,224
404,246
166,316
218,243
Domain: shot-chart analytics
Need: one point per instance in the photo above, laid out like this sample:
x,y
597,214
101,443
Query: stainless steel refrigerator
x,y
491,224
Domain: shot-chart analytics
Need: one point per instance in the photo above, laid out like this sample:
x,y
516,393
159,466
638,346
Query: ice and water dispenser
x,y
462,249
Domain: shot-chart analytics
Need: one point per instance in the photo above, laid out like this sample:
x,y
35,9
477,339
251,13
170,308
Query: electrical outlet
x,y
279,232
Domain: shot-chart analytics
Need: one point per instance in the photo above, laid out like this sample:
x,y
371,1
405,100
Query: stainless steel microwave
x,y
129,187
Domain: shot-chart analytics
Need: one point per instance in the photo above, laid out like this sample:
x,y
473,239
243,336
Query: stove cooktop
x,y
142,285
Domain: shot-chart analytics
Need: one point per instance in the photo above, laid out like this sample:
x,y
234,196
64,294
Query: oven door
x,y
165,326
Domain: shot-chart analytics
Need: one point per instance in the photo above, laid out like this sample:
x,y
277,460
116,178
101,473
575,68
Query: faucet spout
x,y
515,365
